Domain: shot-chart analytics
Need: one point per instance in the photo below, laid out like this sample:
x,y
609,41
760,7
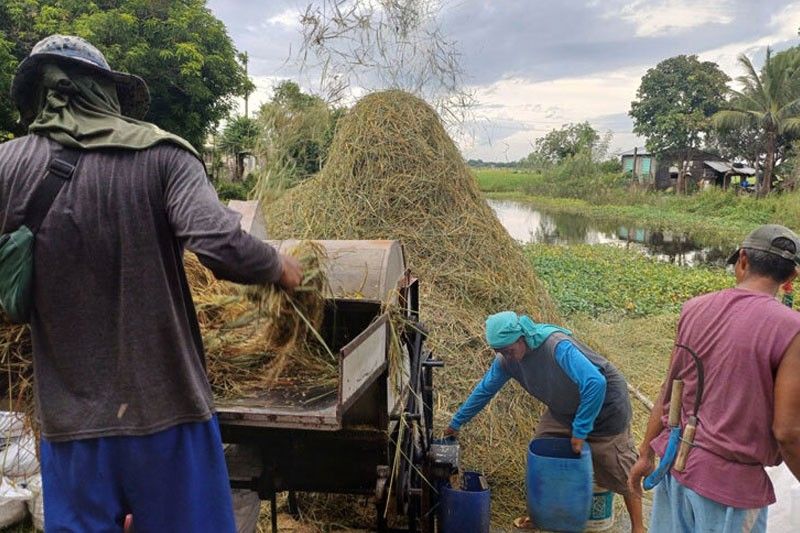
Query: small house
x,y
705,168
725,174
640,163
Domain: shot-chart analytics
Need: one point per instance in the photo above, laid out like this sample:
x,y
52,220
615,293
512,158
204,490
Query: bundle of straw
x,y
291,318
260,337
394,173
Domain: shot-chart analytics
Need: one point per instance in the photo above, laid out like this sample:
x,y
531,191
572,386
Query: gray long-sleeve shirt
x,y
112,331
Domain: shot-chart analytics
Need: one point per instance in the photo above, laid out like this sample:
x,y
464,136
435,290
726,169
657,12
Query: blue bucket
x,y
559,483
465,511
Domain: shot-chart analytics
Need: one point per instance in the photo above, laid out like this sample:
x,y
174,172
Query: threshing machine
x,y
372,433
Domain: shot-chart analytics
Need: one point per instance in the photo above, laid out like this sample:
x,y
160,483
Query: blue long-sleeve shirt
x,y
582,372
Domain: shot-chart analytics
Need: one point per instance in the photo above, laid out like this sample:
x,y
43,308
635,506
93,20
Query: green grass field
x,y
504,180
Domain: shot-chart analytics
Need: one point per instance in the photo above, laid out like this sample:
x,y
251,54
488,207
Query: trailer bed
x,y
284,407
319,407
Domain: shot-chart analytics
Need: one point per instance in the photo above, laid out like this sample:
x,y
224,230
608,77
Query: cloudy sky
x,y
536,64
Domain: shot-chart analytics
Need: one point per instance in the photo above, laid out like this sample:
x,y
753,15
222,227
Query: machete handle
x,y
675,403
686,444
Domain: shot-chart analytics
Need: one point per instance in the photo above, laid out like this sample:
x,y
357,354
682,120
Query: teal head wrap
x,y
505,328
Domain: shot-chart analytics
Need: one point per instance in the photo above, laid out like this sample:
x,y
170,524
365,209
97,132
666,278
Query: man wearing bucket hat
x,y
127,417
586,397
748,344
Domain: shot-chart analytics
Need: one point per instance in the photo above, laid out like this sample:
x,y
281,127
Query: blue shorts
x,y
173,480
677,508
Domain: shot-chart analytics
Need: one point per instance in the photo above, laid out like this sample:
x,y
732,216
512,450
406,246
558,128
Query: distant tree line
x,y
480,163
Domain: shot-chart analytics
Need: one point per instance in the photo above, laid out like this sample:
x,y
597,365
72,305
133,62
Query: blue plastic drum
x,y
465,511
559,483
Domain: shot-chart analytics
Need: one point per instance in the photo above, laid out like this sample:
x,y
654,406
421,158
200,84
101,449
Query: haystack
x,y
394,173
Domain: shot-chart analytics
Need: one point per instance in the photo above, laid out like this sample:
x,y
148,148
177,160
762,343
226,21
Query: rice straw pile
x,y
394,173
16,363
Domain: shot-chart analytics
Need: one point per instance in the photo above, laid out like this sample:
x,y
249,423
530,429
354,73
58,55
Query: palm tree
x,y
769,101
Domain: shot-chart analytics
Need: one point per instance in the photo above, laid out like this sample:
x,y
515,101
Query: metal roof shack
x,y
723,167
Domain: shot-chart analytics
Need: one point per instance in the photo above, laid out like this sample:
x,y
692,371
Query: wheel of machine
x,y
414,436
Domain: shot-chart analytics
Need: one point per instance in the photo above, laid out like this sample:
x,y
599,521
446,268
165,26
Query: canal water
x,y
528,224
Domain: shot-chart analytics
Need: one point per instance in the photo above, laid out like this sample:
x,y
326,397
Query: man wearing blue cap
x,y
586,397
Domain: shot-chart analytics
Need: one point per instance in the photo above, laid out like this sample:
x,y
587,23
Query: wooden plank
x,y
269,418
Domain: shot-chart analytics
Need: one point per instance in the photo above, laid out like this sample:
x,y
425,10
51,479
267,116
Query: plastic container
x,y
601,516
465,511
559,484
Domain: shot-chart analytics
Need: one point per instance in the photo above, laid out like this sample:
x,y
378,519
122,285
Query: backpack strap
x,y
60,169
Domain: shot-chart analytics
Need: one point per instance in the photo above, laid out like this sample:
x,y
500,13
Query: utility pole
x,y
243,58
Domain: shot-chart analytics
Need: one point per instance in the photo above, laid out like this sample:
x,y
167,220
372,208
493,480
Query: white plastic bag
x,y
784,515
12,424
36,503
17,446
18,456
246,507
12,502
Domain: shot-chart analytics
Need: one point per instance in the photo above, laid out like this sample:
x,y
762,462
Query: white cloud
x,y
655,18
783,27
527,110
290,18
260,95
787,21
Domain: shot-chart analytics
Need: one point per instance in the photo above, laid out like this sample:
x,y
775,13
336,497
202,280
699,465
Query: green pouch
x,y
16,247
16,274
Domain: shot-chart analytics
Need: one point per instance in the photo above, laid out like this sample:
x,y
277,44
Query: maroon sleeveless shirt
x,y
741,337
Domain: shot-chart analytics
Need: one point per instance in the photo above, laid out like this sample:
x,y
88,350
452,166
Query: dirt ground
x,y
288,524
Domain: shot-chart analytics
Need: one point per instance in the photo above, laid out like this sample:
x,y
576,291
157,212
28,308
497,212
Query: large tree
x,y
743,143
181,50
673,107
566,141
769,102
7,112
